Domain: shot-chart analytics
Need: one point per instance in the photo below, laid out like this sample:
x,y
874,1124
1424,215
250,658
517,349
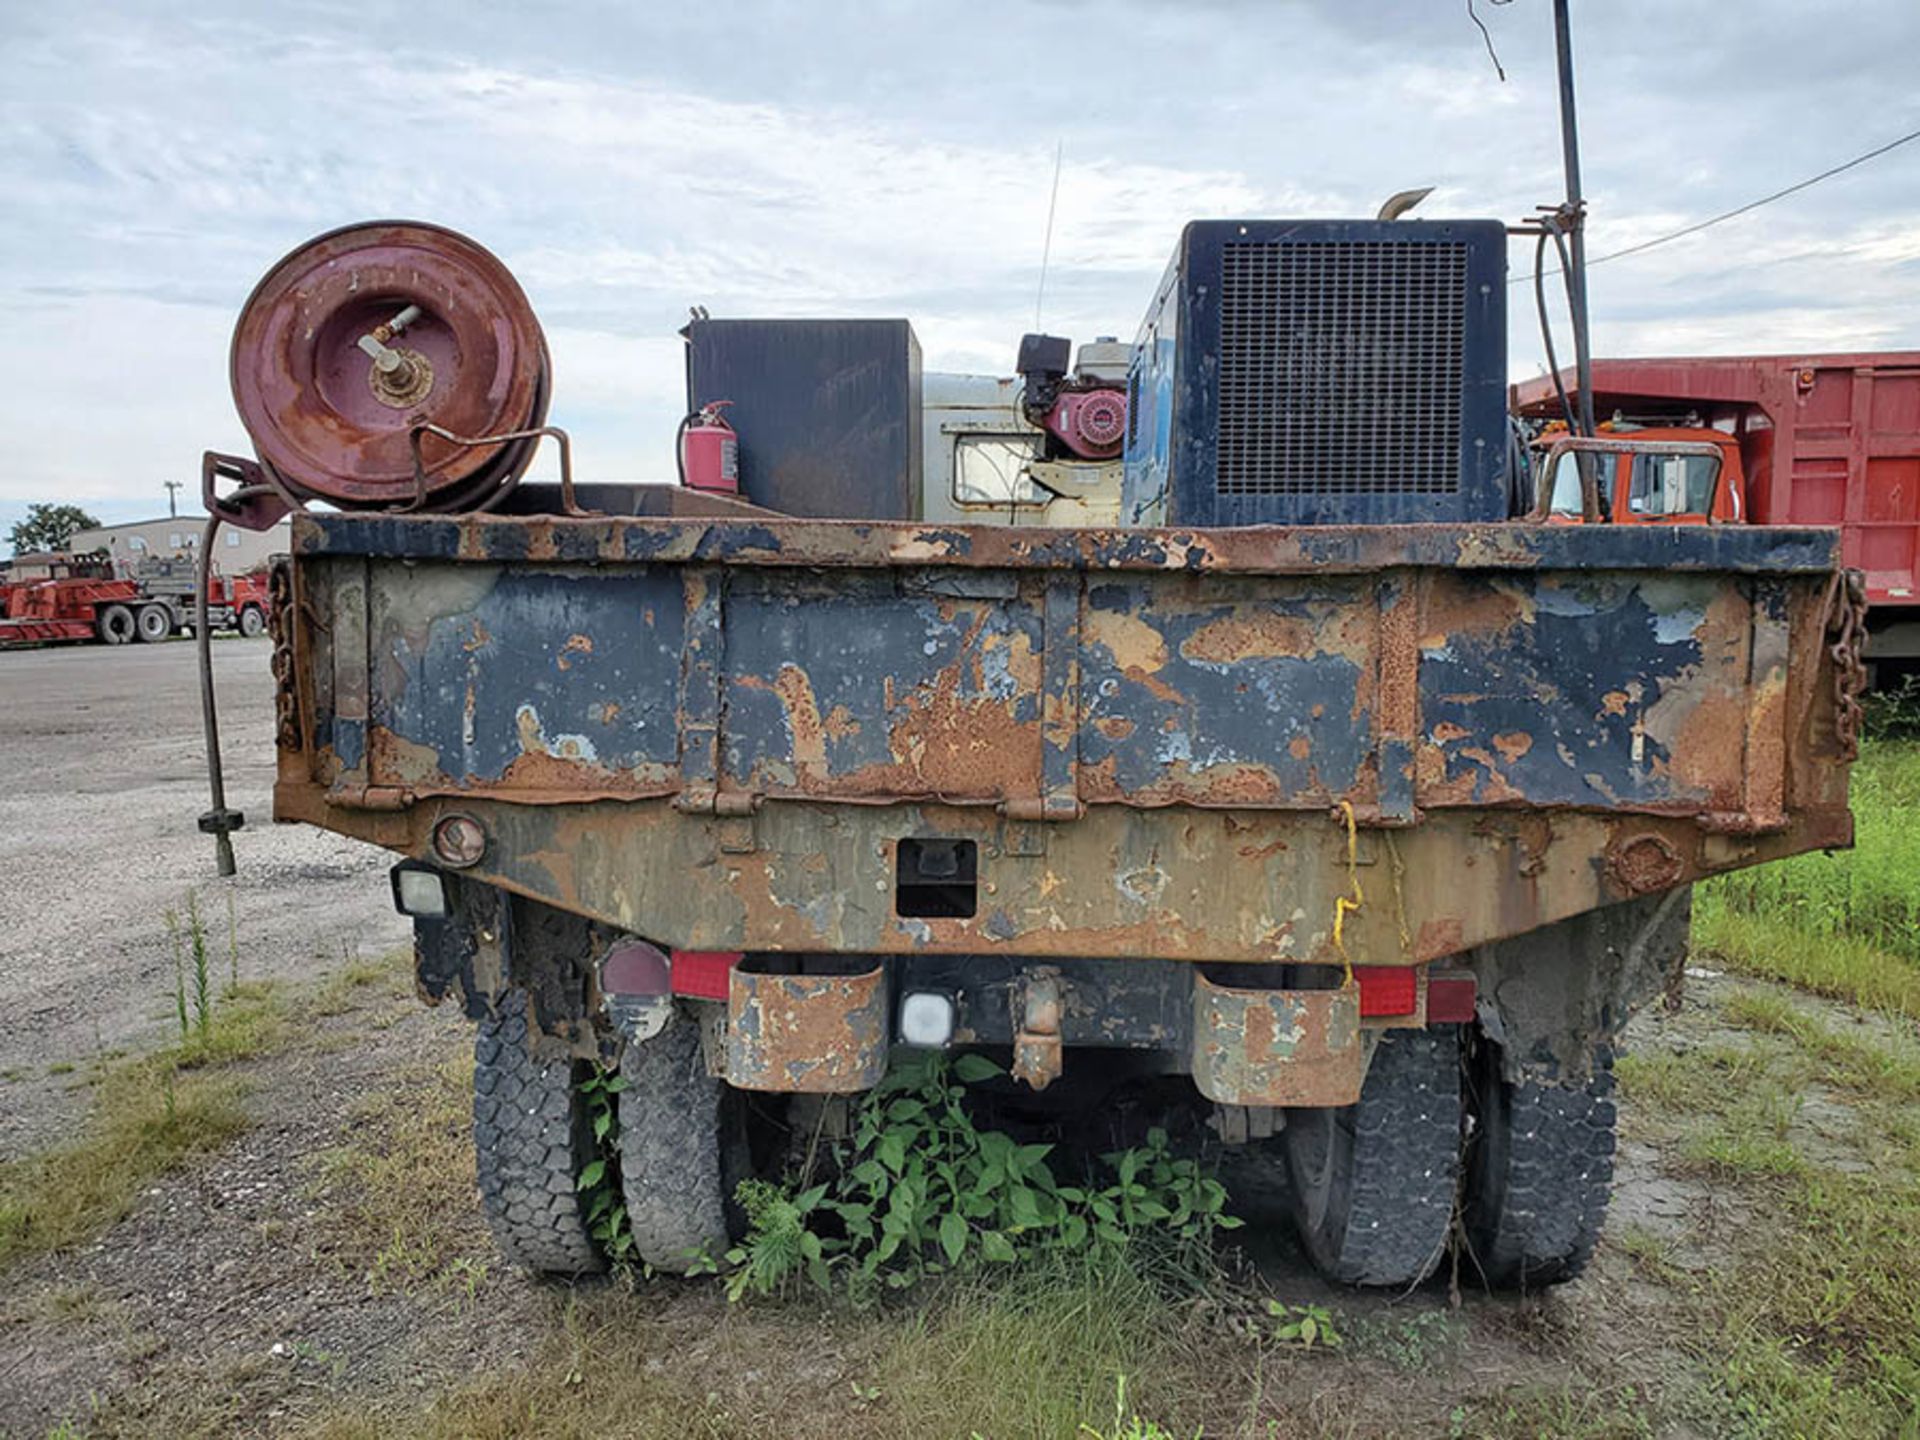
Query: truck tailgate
x,y
816,688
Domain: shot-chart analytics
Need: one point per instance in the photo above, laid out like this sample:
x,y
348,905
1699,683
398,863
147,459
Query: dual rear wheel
x,y
680,1150
1443,1152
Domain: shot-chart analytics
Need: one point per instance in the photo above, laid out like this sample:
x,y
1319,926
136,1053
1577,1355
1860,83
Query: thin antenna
x,y
1046,248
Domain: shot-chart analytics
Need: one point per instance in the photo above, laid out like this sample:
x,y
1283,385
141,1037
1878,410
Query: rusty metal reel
x,y
361,337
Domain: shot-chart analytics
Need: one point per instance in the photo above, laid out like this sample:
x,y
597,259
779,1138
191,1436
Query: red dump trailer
x,y
77,599
1824,440
80,599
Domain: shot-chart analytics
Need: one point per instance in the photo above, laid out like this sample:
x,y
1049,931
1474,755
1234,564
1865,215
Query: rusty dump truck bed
x,y
716,732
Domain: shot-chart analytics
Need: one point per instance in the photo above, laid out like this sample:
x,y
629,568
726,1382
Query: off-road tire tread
x,y
1406,1157
672,1164
530,1143
1537,1224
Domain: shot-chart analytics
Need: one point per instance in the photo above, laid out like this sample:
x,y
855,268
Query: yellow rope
x,y
1345,904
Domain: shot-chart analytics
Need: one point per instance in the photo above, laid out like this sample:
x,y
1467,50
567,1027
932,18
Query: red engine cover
x,y
1093,423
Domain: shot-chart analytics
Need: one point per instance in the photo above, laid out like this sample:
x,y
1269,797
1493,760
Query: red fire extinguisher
x,y
708,450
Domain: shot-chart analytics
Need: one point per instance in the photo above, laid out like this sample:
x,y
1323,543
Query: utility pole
x,y
1576,211
173,509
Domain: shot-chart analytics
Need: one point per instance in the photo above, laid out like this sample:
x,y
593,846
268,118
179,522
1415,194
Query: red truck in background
x,y
80,598
1699,481
1807,440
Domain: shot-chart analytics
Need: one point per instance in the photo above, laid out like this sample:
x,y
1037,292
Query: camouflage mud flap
x,y
1277,1047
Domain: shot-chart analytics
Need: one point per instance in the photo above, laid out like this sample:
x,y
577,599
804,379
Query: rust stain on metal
x,y
1441,935
1518,822
1248,634
803,723
840,724
1639,864
1513,744
575,645
1276,1047
1138,649
818,1034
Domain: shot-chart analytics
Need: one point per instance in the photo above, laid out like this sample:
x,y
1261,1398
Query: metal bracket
x,y
732,809
257,503
1036,1045
1022,837
735,810
222,822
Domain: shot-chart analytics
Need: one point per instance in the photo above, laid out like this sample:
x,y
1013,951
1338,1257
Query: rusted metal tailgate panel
x,y
544,681
563,675
715,732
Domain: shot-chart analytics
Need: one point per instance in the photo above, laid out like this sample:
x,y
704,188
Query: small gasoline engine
x,y
1083,411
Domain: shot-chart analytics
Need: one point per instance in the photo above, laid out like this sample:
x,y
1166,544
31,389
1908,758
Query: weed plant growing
x,y
922,1191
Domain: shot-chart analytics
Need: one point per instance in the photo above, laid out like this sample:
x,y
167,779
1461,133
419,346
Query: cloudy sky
x,y
630,159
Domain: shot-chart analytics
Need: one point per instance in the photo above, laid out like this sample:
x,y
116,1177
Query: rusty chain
x,y
280,627
1846,627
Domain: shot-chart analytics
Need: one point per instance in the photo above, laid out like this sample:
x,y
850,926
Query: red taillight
x,y
1450,997
703,974
1387,989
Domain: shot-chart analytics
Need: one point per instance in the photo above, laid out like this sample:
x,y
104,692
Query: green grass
x,y
356,979
1809,1325
150,1115
1694,1080
1845,924
1879,1067
993,1356
397,1201
150,1118
1042,1356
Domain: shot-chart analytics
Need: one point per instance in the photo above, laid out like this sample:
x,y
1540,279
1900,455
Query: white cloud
x,y
891,159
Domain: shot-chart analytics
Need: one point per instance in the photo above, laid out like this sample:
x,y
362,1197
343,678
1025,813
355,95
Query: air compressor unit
x,y
1322,372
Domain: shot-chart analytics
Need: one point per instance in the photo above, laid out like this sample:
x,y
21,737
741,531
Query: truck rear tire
x,y
114,625
1539,1172
682,1138
531,1140
154,623
1373,1183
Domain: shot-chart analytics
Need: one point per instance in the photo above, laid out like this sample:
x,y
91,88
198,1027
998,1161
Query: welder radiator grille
x,y
1341,367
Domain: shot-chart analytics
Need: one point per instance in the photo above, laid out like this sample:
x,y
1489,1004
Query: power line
x,y
1750,206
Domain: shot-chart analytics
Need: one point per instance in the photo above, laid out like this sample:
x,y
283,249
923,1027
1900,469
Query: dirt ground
x,y
102,779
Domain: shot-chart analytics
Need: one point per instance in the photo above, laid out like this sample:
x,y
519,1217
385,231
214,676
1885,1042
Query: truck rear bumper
x,y
1252,1042
1171,884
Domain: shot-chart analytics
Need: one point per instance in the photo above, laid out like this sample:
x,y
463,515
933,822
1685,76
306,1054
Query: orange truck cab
x,y
1644,486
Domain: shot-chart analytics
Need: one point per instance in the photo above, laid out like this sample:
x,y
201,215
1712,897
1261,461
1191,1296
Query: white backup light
x,y
926,1020
421,894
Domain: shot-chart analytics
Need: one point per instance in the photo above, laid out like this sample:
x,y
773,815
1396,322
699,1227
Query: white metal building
x,y
237,550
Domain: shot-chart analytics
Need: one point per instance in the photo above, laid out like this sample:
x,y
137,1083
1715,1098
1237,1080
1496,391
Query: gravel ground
x,y
102,778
